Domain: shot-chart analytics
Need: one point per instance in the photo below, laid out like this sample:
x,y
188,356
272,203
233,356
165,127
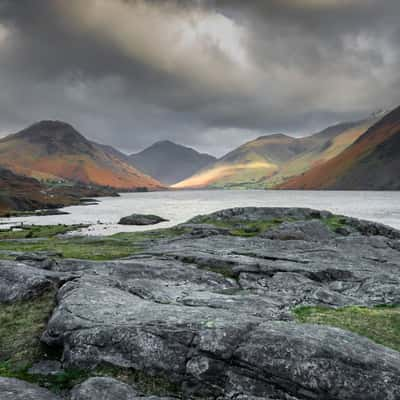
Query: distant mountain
x,y
170,162
372,162
54,150
270,160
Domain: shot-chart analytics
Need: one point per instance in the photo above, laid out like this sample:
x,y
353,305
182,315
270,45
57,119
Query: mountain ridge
x,y
271,159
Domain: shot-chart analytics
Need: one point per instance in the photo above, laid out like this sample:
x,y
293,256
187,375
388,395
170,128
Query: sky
x,y
210,74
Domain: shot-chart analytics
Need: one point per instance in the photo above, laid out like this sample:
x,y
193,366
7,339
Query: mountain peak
x,y
170,162
55,136
165,143
50,128
51,124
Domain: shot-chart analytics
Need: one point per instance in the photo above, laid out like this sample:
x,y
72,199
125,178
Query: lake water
x,y
179,206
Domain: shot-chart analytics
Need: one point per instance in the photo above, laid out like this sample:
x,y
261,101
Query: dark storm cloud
x,y
206,73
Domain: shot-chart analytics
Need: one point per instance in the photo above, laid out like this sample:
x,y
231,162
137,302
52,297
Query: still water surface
x,y
179,206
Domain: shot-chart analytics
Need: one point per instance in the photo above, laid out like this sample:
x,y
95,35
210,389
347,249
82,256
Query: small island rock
x,y
141,219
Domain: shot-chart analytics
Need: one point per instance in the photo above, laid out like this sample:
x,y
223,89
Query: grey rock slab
x,y
14,389
321,362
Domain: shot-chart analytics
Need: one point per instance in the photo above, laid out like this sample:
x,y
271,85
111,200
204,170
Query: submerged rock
x,y
141,219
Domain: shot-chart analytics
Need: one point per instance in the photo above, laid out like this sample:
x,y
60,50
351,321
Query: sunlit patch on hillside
x,y
225,173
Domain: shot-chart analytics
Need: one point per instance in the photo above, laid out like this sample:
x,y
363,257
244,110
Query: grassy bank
x,y
44,238
380,324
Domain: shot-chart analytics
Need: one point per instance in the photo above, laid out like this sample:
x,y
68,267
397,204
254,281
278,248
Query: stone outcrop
x,y
212,312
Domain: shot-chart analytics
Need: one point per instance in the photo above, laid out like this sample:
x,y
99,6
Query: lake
x,y
179,206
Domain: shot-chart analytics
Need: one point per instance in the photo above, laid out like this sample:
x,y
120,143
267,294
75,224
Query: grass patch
x,y
380,324
21,325
37,231
93,248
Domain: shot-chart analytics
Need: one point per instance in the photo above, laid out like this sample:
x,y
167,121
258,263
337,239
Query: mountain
x,y
322,147
170,162
251,163
270,160
54,150
21,193
372,162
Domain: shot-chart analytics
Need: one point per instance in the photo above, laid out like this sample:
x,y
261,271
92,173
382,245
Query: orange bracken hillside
x,y
53,150
371,162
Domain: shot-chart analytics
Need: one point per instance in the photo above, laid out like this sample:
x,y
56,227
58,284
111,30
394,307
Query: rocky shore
x,y
211,312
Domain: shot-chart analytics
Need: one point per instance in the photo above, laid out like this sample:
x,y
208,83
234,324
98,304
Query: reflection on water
x,y
179,206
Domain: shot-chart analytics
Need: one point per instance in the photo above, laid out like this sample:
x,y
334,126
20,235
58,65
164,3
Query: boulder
x,y
141,219
19,281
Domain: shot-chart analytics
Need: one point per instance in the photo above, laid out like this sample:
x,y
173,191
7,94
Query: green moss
x,y
380,324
